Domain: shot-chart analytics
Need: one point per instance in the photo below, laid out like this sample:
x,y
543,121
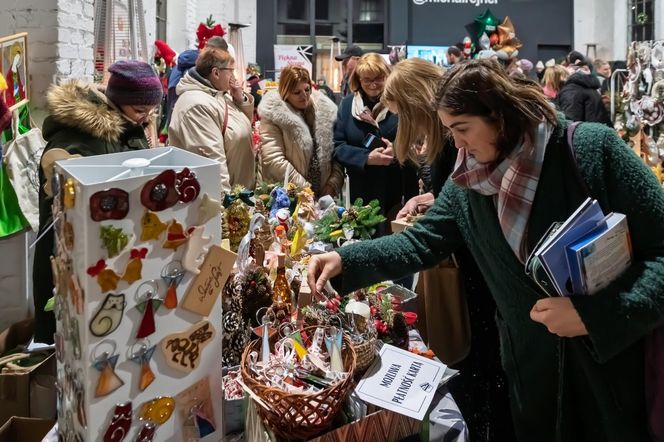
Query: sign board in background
x,y
285,55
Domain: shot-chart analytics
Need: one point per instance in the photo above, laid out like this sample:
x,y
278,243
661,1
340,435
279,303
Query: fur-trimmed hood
x,y
323,113
81,105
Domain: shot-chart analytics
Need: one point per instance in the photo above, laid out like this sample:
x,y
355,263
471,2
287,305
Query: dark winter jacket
x,y
388,184
580,100
588,388
81,121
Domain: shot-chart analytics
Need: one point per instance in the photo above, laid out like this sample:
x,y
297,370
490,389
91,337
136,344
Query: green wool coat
x,y
587,388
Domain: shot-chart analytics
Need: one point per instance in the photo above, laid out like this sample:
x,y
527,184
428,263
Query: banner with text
x,y
297,55
401,381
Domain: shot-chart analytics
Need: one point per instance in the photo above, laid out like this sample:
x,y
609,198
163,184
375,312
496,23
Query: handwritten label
x,y
401,381
205,289
183,350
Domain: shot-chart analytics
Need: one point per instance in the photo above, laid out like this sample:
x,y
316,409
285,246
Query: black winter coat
x,y
80,122
580,100
388,184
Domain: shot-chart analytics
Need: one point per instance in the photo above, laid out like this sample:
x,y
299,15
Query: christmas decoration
x,y
486,22
207,30
359,222
236,217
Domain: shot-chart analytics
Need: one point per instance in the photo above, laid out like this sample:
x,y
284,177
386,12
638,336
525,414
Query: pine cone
x,y
399,331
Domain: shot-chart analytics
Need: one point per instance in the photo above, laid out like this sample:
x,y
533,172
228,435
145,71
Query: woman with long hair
x,y
296,131
574,364
363,136
480,390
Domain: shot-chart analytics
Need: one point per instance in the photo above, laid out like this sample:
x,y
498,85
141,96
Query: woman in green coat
x,y
86,121
575,364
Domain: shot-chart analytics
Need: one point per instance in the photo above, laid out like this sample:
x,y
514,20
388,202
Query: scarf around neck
x,y
514,180
363,113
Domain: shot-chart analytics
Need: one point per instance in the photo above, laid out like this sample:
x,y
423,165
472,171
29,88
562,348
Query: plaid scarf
x,y
514,180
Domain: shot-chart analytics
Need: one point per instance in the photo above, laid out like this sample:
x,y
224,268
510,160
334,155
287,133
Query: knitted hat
x,y
133,82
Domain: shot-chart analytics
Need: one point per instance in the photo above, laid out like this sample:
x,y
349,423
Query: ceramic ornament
x,y
208,209
158,411
106,278
175,235
76,293
109,204
160,193
134,267
151,226
69,199
108,317
183,350
147,432
187,185
196,250
47,162
113,239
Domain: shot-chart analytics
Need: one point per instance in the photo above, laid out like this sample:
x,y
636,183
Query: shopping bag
x,y
443,315
21,158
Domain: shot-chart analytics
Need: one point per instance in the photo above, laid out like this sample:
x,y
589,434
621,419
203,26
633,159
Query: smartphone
x,y
372,141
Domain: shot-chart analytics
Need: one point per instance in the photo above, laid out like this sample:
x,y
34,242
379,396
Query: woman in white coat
x,y
296,130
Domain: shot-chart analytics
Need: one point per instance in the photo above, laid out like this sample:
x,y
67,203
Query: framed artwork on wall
x,y
14,69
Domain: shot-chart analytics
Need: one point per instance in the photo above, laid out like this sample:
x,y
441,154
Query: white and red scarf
x,y
514,180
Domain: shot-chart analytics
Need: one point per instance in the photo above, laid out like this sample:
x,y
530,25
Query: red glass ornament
x,y
120,424
187,185
147,326
160,193
109,204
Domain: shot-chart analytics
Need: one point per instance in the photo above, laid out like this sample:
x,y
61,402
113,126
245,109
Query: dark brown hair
x,y
483,88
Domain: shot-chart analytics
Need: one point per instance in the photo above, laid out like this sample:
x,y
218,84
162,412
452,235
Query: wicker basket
x,y
366,353
300,415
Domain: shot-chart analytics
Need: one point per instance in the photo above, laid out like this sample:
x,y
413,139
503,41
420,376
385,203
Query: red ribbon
x,y
138,253
97,268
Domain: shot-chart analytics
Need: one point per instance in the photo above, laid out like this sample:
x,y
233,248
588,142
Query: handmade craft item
x,y
120,423
142,356
208,209
187,185
109,204
106,278
265,331
108,317
195,410
196,250
333,344
105,362
175,235
160,193
147,432
69,197
158,410
79,400
205,288
151,226
134,267
183,350
147,303
172,275
113,239
75,292
47,162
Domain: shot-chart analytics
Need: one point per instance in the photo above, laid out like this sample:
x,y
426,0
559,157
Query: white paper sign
x,y
296,55
401,381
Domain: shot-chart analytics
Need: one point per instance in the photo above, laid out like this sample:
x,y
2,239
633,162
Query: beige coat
x,y
197,123
286,139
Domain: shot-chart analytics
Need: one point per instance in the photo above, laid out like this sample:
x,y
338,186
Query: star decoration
x,y
486,22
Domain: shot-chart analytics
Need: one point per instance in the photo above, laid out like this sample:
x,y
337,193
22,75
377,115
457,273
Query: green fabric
x,y
588,388
11,216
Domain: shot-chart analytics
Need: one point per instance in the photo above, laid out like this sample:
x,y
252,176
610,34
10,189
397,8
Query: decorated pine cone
x,y
399,331
232,322
257,293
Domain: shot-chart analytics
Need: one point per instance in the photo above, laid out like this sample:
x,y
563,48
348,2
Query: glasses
x,y
374,81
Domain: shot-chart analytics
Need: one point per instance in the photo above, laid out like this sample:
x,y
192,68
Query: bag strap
x,y
225,125
571,154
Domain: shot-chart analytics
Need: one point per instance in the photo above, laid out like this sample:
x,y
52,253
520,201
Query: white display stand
x,y
99,173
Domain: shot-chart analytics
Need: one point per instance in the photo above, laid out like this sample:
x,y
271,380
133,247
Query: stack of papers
x,y
583,254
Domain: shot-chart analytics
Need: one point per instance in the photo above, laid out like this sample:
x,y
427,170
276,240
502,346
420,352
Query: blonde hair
x,y
370,64
412,87
554,77
290,78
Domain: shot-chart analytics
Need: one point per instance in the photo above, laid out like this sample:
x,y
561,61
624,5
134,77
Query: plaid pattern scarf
x,y
514,180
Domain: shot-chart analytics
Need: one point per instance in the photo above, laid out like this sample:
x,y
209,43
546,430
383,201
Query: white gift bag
x,y
21,157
